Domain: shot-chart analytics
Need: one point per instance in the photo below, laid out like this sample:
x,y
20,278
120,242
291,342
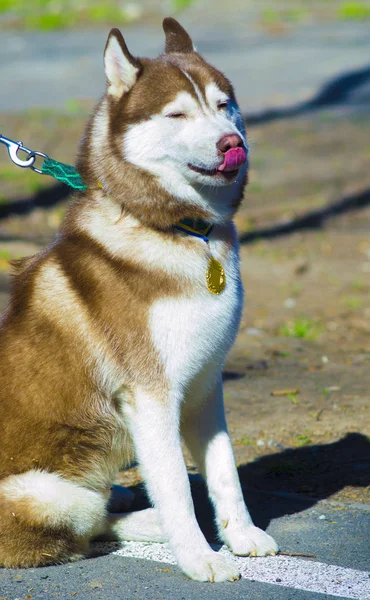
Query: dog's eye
x,y
222,104
176,115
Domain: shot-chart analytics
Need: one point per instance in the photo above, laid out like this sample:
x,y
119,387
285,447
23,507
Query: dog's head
x,y
167,140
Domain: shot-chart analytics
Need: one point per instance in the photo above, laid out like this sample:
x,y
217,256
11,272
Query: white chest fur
x,y
194,332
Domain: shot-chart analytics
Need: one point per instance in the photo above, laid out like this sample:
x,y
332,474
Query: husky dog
x,y
116,334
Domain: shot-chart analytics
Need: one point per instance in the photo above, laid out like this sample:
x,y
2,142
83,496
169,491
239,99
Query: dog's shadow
x,y
287,482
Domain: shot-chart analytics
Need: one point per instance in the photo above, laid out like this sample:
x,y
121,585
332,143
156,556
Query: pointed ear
x,y
121,68
177,39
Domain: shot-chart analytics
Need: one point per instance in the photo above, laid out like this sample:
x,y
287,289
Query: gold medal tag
x,y
216,278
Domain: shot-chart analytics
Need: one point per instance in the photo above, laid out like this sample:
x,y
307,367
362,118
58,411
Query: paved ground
x,y
50,69
335,534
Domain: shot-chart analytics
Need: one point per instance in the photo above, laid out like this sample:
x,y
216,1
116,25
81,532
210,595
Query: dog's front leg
x,y
205,432
154,425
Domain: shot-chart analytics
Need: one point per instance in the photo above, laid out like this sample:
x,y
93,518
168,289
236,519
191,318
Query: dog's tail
x,y
46,519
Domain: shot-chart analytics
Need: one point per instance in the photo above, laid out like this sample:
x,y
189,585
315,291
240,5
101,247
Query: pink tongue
x,y
234,159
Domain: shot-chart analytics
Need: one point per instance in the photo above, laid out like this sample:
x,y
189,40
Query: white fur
x,y
155,428
124,239
197,91
166,146
120,72
192,332
57,502
205,433
192,335
214,95
99,138
183,103
140,526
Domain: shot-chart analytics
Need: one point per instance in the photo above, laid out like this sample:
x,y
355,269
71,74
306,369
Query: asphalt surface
x,y
50,69
111,578
336,534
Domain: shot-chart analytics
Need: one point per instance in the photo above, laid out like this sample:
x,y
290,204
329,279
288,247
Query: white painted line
x,y
280,570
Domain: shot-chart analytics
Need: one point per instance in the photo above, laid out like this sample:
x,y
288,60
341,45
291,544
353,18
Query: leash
x,y
65,173
215,274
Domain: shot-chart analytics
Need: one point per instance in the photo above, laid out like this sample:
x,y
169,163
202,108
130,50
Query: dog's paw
x,y
252,541
209,567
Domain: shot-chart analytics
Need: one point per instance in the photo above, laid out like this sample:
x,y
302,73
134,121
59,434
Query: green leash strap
x,y
65,173
60,171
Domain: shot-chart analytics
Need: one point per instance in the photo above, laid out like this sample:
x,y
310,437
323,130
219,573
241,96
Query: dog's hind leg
x,y
46,519
140,526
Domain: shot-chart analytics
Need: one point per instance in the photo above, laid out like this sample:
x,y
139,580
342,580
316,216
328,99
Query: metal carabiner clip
x,y
13,148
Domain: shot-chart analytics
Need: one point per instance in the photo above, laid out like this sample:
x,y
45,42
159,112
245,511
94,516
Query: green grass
x,y
245,441
296,289
5,254
8,173
293,398
181,4
76,107
281,353
50,15
5,257
302,328
6,5
24,181
254,187
49,21
354,11
352,302
359,285
303,440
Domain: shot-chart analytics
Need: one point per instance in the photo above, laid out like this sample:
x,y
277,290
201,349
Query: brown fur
x,y
27,542
177,39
